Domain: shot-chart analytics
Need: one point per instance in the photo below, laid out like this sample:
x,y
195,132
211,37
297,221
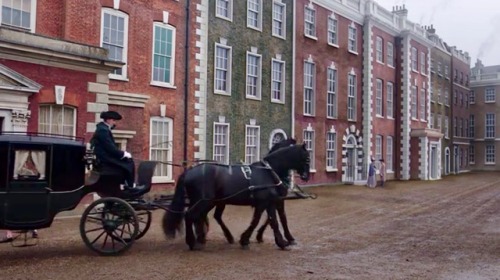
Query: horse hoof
x,y
292,243
260,240
245,247
230,241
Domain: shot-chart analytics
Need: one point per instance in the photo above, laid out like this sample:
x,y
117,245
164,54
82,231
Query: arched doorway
x,y
352,156
276,136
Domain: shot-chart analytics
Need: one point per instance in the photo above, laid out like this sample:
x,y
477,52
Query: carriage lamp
x,y
163,109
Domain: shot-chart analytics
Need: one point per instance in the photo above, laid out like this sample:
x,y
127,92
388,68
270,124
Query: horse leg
x,y
219,209
278,238
280,207
245,236
201,227
260,232
193,217
190,237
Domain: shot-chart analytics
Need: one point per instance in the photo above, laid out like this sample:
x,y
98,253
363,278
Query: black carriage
x,y
43,175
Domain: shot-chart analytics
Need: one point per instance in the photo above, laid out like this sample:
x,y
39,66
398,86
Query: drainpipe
x,y
292,182
186,80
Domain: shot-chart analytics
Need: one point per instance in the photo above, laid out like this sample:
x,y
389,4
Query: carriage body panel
x,y
40,176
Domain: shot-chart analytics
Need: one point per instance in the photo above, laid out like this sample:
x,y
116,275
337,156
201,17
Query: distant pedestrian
x,y
382,172
372,181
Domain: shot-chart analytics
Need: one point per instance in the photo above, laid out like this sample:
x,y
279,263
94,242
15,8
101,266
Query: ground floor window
x,y
221,143
490,154
57,119
331,150
309,141
161,142
252,144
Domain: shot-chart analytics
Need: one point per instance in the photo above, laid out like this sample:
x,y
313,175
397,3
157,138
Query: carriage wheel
x,y
109,226
144,219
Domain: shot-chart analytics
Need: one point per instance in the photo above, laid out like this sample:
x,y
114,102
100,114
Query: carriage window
x,y
161,148
57,119
29,165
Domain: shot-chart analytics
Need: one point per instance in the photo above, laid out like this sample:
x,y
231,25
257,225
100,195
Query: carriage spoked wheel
x,y
144,219
109,226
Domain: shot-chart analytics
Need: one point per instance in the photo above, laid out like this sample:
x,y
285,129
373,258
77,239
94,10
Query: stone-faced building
x,y
246,104
440,89
460,138
485,149
64,62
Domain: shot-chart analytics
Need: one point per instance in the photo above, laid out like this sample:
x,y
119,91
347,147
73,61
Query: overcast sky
x,y
472,26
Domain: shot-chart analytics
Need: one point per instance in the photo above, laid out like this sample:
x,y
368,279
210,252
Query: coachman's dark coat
x,y
110,158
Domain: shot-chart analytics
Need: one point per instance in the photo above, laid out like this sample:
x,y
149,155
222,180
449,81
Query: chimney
x,y
431,29
400,11
479,64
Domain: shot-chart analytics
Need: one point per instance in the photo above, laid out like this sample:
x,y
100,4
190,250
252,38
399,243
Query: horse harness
x,y
247,173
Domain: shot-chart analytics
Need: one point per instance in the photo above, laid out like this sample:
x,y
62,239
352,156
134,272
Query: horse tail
x,y
173,217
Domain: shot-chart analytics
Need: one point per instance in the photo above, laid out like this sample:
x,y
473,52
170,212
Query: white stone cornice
x,y
127,99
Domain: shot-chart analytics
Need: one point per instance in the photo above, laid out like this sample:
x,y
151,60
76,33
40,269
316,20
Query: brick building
x,y
484,84
460,138
64,62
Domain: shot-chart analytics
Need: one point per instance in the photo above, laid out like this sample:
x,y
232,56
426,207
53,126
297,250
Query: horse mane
x,y
282,144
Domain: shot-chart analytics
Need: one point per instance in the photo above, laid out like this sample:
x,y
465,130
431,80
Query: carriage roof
x,y
40,138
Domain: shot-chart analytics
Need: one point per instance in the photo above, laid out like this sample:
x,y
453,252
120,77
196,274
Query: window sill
x,y
312,171
162,180
118,78
224,18
279,36
379,116
489,163
391,66
222,93
311,37
491,102
332,170
259,29
353,52
380,62
250,97
163,85
390,118
309,115
390,172
333,45
277,101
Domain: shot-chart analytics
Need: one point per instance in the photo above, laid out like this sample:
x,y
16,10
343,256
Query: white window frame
x,y
272,137
309,88
489,125
446,96
414,59
254,77
431,120
164,146
414,107
422,63
446,72
309,140
440,123
331,93
389,163
489,95
472,97
251,158
257,12
225,146
446,127
423,105
390,100
32,16
310,22
278,78
333,27
229,16
125,17
489,154
472,159
352,41
228,71
331,151
380,49
277,19
378,147
171,82
390,54
51,123
351,97
379,92
472,132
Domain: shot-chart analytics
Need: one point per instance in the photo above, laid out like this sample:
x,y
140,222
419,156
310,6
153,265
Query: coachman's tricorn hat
x,y
111,115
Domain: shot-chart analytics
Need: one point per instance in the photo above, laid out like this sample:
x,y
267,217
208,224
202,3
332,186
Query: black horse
x,y
280,206
258,185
